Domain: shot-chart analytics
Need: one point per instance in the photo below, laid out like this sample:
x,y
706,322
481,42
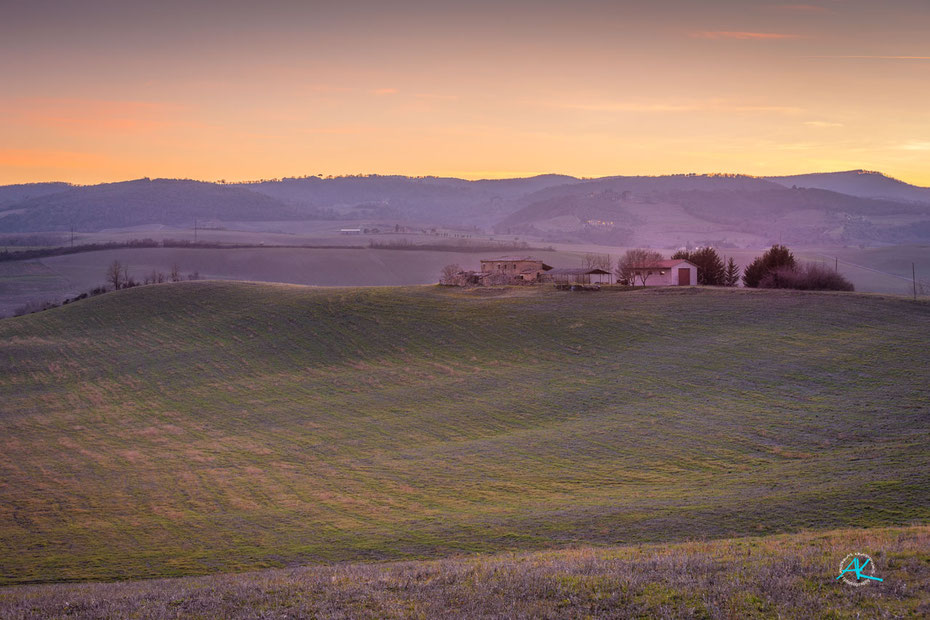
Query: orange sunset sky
x,y
107,91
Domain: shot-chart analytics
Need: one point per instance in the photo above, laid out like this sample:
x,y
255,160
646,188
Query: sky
x,y
99,91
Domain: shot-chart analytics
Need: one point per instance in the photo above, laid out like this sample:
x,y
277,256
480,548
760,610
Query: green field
x,y
207,427
780,576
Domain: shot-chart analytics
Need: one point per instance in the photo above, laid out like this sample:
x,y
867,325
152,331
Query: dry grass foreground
x,y
207,427
785,576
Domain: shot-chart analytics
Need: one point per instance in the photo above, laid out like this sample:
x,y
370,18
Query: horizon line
x,y
469,178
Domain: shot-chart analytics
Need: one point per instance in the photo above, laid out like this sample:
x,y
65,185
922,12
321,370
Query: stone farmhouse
x,y
529,270
520,268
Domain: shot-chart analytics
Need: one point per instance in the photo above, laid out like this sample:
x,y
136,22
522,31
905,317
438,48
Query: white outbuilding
x,y
674,272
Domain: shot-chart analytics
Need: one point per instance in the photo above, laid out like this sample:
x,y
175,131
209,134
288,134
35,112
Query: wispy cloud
x,y
799,8
915,145
51,159
713,105
746,36
436,97
384,91
822,124
75,115
864,57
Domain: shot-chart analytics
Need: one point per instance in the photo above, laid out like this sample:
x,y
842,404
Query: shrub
x,y
776,257
809,277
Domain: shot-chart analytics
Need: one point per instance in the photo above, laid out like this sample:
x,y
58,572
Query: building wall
x,y
670,278
513,267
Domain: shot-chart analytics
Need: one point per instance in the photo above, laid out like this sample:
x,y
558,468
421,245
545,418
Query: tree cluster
x,y
117,276
778,268
598,261
776,257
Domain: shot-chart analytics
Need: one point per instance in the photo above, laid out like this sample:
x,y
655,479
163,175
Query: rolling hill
x,y
862,183
722,210
206,427
12,194
665,211
433,200
142,202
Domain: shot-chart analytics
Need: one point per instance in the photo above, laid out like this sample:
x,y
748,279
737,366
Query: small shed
x,y
674,272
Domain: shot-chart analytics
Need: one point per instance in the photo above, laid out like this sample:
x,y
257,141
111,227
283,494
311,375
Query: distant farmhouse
x,y
520,268
529,270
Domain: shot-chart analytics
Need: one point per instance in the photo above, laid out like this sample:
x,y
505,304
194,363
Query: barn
x,y
674,272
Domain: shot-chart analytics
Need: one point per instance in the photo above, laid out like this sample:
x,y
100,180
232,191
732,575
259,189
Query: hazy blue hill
x,y
558,207
429,199
11,194
862,183
734,203
143,201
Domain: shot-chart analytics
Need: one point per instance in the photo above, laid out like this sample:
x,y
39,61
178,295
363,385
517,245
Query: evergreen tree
x,y
732,273
711,271
776,257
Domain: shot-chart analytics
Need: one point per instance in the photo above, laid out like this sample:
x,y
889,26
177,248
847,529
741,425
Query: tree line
x,y
116,277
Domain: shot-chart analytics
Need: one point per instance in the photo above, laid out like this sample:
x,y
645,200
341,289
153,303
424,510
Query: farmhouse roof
x,y
509,259
578,272
665,264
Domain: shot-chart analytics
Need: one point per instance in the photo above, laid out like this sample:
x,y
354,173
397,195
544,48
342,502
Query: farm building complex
x,y
522,268
529,270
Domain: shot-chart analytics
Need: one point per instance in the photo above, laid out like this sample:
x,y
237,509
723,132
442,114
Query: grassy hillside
x,y
57,278
769,577
205,427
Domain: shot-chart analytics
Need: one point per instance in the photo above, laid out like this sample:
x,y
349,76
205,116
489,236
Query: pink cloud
x,y
728,34
799,8
385,91
876,57
76,115
51,159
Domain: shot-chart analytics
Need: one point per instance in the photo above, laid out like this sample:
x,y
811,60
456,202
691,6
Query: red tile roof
x,y
666,264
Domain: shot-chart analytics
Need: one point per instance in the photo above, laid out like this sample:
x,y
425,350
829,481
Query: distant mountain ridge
x,y
12,194
139,202
730,209
862,183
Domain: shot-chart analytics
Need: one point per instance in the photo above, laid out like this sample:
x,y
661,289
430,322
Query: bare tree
x,y
175,274
598,261
637,263
115,275
448,273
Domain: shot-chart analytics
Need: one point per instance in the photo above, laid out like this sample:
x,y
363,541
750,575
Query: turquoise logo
x,y
857,569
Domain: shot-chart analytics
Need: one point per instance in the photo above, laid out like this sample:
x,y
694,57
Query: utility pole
x,y
914,279
195,230
836,264
72,235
